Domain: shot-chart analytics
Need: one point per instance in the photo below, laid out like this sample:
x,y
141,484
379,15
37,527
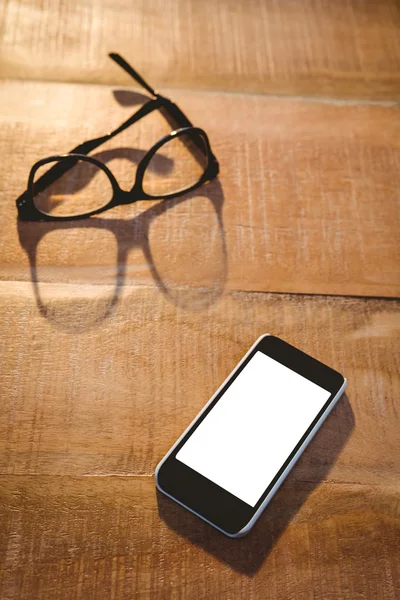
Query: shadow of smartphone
x,y
247,554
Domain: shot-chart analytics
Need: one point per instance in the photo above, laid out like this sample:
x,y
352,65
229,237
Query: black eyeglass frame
x,y
27,210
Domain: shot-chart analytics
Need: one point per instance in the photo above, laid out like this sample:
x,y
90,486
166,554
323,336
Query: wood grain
x,y
302,47
108,537
115,331
307,200
77,397
77,401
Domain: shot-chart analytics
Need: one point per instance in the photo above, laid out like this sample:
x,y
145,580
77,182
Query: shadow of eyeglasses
x,y
129,234
129,97
84,173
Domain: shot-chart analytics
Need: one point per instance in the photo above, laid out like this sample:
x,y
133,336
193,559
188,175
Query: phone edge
x,y
203,409
247,528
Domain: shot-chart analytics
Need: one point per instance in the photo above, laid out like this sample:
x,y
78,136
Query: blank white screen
x,y
253,428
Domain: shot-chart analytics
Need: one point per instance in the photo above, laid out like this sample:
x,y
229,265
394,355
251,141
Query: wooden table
x,y
115,331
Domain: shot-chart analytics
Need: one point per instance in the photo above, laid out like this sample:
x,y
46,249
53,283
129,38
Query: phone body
x,y
230,461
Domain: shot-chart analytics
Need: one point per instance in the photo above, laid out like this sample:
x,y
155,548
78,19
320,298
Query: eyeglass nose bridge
x,y
125,196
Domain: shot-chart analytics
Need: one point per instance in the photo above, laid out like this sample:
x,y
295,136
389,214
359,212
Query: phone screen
x,y
251,431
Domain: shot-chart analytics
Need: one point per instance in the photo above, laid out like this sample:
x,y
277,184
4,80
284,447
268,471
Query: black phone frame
x,y
204,497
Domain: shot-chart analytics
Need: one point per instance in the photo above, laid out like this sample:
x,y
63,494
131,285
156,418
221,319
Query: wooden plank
x,y
89,392
308,47
307,200
115,331
107,537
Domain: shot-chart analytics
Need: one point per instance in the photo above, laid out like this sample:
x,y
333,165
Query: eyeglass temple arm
x,y
171,109
57,170
90,145
131,71
173,114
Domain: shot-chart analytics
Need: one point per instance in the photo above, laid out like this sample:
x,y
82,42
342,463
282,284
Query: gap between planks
x,y
290,97
7,282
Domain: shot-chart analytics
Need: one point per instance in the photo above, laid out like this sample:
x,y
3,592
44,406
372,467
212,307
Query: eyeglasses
x,y
76,185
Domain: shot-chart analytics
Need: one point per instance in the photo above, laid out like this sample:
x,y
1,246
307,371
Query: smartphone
x,y
231,460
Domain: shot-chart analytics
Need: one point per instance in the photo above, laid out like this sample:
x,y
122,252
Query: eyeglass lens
x,y
187,155
83,188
